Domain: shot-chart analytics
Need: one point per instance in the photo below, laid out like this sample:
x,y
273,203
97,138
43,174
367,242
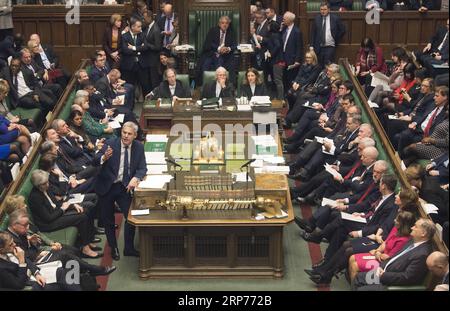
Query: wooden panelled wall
x,y
74,42
71,42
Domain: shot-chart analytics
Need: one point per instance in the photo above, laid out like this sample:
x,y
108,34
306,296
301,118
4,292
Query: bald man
x,y
437,263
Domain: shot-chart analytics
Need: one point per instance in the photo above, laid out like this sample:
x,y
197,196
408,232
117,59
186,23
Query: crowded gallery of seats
x,y
224,145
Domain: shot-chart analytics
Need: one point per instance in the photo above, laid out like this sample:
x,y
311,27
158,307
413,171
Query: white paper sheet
x,y
119,118
114,124
350,217
155,157
156,138
77,198
332,171
156,169
155,182
329,202
140,212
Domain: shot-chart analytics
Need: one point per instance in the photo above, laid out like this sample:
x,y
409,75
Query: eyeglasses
x,y
25,225
425,85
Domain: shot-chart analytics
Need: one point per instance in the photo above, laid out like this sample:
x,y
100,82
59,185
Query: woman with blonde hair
x,y
112,38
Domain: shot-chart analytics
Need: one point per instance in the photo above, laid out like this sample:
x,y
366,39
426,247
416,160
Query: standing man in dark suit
x,y
259,36
285,71
152,35
134,64
165,24
272,16
123,167
326,33
407,267
218,49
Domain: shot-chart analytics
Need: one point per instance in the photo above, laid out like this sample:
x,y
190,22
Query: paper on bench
x,y
350,217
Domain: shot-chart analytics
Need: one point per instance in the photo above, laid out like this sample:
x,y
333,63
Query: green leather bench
x,y
25,113
313,6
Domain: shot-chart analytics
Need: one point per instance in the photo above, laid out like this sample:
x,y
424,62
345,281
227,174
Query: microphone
x,y
173,162
248,163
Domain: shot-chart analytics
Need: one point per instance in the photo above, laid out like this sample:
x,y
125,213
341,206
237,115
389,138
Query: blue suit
x,y
110,191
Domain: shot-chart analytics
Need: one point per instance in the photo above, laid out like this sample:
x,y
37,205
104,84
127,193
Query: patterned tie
x,y
166,39
126,169
426,131
222,38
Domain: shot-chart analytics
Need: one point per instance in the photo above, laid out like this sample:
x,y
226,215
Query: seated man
x,y
218,50
170,87
407,267
46,58
220,88
112,87
437,263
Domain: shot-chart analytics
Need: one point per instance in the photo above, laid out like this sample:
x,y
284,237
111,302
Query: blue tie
x,y
126,169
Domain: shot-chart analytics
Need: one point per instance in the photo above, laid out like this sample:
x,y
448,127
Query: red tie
x,y
426,131
352,171
366,193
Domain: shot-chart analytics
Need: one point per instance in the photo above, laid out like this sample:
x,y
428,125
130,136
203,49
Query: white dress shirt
x,y
22,87
44,57
122,155
425,122
329,40
288,34
218,89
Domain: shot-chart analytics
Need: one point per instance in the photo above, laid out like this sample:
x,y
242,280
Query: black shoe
x,y
318,264
115,254
295,176
310,198
320,280
106,270
303,224
311,272
96,240
311,237
96,248
131,252
100,231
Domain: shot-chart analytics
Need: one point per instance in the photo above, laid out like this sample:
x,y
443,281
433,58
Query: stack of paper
x,y
120,117
350,217
379,78
114,124
244,107
155,182
157,169
263,101
430,208
155,157
329,202
76,198
184,47
332,171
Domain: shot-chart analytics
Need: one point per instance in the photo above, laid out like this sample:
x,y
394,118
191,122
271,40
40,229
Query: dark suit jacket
x,y
97,105
212,42
130,56
66,164
153,39
163,91
104,87
379,217
437,38
110,168
209,90
438,119
294,46
337,29
52,58
14,277
246,91
307,74
97,73
38,71
31,251
408,269
107,41
429,4
73,150
43,212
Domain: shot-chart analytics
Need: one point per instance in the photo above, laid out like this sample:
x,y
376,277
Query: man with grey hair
x,y
218,48
286,70
407,267
123,166
220,88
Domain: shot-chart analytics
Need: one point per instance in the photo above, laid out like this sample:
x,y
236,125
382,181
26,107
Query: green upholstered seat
x,y
200,22
313,6
184,78
25,113
65,111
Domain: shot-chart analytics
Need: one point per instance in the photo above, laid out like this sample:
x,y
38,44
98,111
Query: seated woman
x,y
397,238
252,85
369,60
50,214
94,129
401,59
307,73
220,88
74,122
395,101
14,266
13,132
170,87
4,109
